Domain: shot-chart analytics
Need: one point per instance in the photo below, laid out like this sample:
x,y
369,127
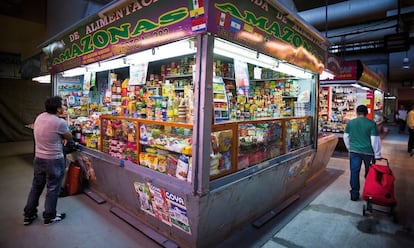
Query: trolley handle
x,y
381,159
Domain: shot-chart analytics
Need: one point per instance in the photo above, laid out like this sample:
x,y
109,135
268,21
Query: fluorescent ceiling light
x,y
406,62
46,79
107,65
360,86
326,75
234,51
74,72
96,67
175,49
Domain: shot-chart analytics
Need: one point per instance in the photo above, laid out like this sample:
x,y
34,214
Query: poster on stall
x,y
294,171
178,212
144,197
163,205
86,83
159,204
138,74
241,76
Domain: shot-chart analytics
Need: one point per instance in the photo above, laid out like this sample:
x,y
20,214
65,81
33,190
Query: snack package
x,y
214,164
182,167
162,163
152,161
225,161
143,159
143,136
172,165
224,139
214,143
190,169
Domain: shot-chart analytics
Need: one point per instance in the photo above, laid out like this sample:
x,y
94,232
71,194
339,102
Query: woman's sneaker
x,y
29,219
57,218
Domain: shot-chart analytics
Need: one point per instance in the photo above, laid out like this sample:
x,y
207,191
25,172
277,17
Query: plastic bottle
x,y
170,110
78,133
176,103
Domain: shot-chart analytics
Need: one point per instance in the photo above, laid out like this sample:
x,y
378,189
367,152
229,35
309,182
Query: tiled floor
x,y
322,217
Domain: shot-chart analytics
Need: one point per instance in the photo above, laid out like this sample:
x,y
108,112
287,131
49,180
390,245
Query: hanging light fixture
x,y
406,62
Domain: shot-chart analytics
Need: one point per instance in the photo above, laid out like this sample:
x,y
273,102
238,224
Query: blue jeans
x,y
355,162
49,173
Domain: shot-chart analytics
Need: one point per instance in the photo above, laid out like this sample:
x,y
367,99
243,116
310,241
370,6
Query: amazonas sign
x,y
267,29
141,25
121,33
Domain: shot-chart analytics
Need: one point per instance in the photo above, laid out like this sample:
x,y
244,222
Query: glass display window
x,y
259,86
119,139
166,149
338,103
262,108
259,142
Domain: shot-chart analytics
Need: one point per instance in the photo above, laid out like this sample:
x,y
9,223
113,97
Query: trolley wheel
x,y
369,205
395,218
391,213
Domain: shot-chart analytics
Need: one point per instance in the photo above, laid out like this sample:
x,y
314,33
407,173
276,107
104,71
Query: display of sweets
x,y
180,67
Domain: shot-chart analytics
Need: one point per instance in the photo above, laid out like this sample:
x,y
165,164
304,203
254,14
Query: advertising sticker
x,y
163,205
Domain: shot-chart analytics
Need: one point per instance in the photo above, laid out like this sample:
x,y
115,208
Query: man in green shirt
x,y
362,140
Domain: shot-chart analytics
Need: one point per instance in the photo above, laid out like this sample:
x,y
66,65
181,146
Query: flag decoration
x,y
198,19
198,24
251,29
226,21
196,7
235,24
223,19
252,33
248,28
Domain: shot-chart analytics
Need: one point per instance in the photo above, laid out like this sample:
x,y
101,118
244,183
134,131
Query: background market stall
x,y
355,85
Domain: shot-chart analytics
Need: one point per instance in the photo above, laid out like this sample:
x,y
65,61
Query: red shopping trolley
x,y
379,190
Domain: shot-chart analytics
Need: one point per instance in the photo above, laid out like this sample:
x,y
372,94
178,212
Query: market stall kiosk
x,y
355,85
196,117
326,141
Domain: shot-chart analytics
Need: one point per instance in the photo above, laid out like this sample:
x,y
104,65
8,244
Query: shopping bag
x,y
73,177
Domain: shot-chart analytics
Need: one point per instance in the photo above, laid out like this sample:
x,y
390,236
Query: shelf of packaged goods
x,y
164,148
270,79
141,144
146,121
220,100
217,127
234,126
267,119
178,76
224,126
68,90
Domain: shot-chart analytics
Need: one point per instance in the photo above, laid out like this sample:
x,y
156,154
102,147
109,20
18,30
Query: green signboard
x,y
141,25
